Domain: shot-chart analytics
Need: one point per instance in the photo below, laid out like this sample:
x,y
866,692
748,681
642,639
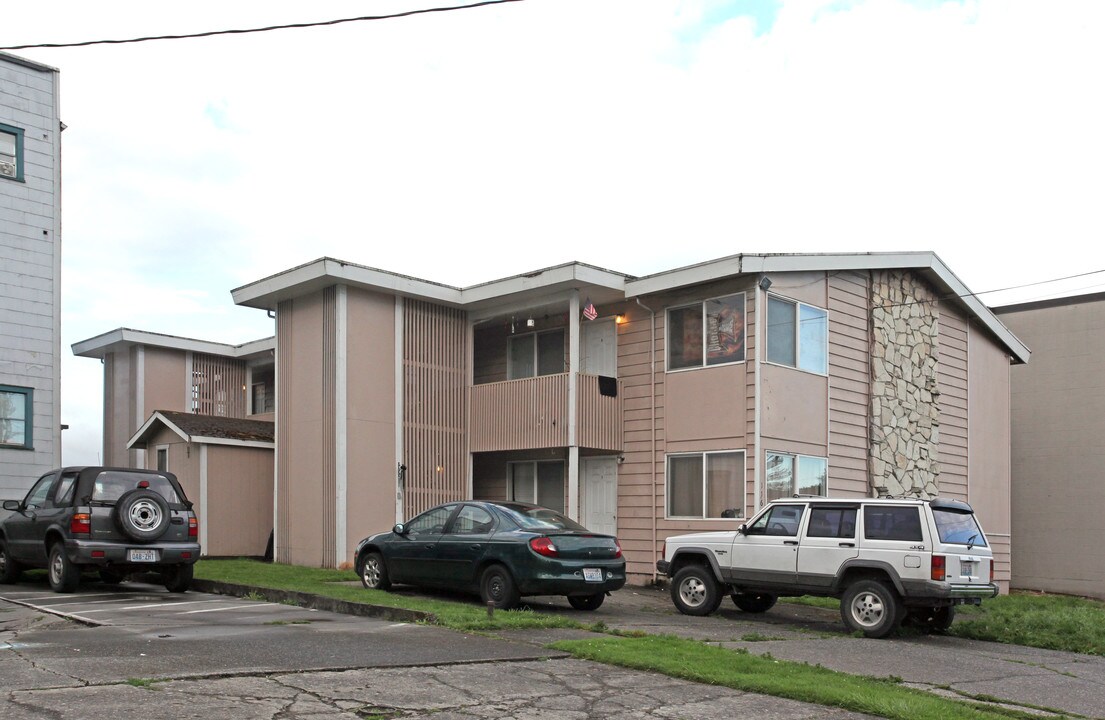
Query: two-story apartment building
x,y
30,273
644,406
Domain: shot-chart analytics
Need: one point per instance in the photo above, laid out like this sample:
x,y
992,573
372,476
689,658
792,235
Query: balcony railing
x,y
533,413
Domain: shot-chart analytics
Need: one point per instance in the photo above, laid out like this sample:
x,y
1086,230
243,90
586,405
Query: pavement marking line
x,y
56,596
90,602
233,607
166,604
68,616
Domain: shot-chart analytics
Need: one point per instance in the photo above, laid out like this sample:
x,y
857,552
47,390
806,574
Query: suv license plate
x,y
141,556
967,569
592,574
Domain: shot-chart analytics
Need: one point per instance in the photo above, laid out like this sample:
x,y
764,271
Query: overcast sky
x,y
636,135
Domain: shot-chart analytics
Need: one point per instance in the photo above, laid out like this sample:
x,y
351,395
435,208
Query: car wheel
x,y
497,588
178,578
374,573
871,607
754,602
110,577
9,569
932,618
695,591
586,602
142,515
63,574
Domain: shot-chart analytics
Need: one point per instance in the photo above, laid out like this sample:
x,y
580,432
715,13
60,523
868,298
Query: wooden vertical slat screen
x,y
598,417
520,414
218,386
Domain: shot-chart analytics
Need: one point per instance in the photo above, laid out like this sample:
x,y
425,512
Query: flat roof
x,y
113,340
27,63
1050,303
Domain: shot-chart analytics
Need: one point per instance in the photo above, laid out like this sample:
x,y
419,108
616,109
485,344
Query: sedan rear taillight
x,y
618,551
939,567
544,546
193,527
80,524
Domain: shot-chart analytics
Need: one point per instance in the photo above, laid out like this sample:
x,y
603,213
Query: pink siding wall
x,y
239,500
165,383
849,384
952,379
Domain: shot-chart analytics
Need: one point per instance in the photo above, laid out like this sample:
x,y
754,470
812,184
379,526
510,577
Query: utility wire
x,y
987,292
245,31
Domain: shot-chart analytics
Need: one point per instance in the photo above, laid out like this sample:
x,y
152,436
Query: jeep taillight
x,y
80,524
544,546
989,570
193,527
939,567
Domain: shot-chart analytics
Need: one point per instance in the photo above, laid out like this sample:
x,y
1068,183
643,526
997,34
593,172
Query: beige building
x,y
690,399
1058,405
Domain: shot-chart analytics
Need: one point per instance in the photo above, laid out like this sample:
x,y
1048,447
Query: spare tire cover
x,y
142,515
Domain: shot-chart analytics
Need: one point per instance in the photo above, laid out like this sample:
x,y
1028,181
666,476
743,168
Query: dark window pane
x,y
521,357
550,353
780,331
891,523
685,337
685,486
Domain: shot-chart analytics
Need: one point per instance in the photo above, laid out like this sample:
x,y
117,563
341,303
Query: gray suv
x,y
119,521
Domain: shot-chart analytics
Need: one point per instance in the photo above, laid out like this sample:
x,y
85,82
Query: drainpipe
x,y
652,418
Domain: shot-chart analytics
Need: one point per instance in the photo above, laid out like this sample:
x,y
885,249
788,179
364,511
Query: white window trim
x,y
510,477
798,304
794,476
157,455
536,353
703,454
702,365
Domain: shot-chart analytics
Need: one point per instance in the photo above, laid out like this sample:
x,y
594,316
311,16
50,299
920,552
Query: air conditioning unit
x,y
7,169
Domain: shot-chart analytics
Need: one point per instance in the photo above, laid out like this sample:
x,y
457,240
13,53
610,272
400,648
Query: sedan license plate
x,y
592,574
137,556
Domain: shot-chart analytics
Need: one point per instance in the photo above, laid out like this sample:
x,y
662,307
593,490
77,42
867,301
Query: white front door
x,y
599,346
600,494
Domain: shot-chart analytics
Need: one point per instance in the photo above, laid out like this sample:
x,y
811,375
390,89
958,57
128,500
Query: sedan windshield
x,y
531,517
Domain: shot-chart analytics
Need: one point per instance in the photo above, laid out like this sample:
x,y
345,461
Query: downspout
x,y
652,419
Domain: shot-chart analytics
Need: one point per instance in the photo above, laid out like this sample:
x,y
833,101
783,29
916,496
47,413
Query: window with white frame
x,y
788,474
797,335
16,418
162,458
705,485
535,354
11,152
539,482
706,333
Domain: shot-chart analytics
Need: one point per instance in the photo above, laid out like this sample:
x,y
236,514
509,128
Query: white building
x,y
30,273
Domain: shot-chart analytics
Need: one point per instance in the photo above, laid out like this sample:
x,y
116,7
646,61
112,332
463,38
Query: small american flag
x,y
589,310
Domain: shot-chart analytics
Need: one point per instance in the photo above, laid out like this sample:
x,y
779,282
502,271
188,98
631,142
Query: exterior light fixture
x,y
765,283
530,322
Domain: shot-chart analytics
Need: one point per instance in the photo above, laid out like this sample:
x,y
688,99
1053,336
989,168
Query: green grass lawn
x,y
1054,622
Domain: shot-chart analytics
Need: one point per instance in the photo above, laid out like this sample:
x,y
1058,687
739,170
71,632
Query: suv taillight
x,y
193,527
939,567
544,546
80,524
990,571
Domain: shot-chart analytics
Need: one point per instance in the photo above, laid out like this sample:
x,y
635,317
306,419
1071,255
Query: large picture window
x,y
540,483
788,475
706,333
11,152
706,485
797,335
16,419
535,354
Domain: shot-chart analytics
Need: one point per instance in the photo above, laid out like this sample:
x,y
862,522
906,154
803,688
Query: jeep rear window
x,y
882,522
110,486
958,527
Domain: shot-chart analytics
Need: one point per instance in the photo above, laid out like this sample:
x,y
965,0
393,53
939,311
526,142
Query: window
x,y
263,391
706,485
535,354
431,522
781,520
958,527
706,333
540,483
11,152
163,458
881,522
16,405
63,495
36,498
832,522
797,335
110,485
472,520
789,475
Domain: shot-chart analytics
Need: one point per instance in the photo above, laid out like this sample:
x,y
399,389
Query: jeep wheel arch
x,y
852,570
695,556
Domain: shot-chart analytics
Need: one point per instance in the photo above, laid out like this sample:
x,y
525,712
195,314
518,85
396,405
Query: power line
x,y
244,31
954,296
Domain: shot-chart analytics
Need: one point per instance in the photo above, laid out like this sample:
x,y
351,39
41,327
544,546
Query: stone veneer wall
x,y
905,405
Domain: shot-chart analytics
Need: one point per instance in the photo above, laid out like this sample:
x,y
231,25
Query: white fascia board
x,y
324,272
203,440
100,345
138,439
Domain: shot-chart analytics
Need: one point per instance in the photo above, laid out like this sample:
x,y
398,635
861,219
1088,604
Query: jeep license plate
x,y
967,569
137,556
592,574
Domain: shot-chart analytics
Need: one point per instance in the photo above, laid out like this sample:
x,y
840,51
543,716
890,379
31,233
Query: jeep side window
x,y
882,522
832,523
781,520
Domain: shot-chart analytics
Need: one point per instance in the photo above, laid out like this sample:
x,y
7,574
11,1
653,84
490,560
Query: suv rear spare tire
x,y
142,515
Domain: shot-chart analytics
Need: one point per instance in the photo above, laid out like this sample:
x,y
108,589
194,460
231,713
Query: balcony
x,y
533,413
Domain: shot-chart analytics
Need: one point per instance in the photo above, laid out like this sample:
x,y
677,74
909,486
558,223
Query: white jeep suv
x,y
885,559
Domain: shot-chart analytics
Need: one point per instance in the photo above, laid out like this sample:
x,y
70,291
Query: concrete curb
x,y
315,602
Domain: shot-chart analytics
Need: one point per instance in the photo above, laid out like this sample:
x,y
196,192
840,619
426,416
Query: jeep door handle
x,y
790,542
847,544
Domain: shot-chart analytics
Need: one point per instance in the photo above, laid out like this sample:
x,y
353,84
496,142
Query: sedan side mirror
x,y
12,505
400,529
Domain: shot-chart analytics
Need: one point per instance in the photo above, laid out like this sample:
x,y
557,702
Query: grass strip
x,y
738,669
1052,622
465,614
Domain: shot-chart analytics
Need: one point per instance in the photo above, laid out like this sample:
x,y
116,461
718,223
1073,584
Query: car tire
x,y
142,515
754,602
695,591
497,588
9,568
586,602
178,578
64,576
932,618
872,608
110,577
374,572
